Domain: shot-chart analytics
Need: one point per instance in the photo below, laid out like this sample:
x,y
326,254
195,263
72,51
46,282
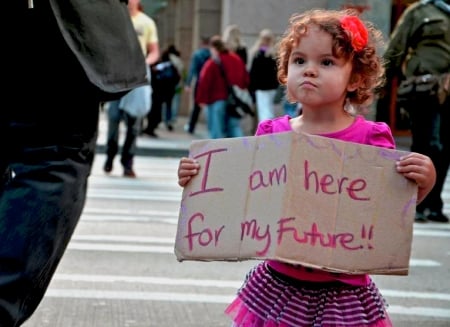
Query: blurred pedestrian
x,y
233,41
198,59
164,82
263,74
212,91
419,51
148,38
175,58
83,55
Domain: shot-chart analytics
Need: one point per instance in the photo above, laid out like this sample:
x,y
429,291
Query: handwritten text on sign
x,y
300,199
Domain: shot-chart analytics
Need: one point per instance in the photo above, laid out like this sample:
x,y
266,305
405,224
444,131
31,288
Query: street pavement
x,y
120,269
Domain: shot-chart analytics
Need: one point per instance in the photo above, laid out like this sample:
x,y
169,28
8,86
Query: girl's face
x,y
315,77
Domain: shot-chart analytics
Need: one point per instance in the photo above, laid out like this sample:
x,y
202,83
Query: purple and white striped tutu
x,y
269,299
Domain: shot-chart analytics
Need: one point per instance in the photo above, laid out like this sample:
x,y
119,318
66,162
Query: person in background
x,y
232,38
86,55
164,82
148,38
263,74
418,46
212,91
175,58
328,61
198,59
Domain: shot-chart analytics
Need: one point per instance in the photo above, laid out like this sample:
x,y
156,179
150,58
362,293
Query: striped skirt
x,y
269,299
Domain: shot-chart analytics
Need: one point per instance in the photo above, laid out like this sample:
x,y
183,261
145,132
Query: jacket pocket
x,y
434,28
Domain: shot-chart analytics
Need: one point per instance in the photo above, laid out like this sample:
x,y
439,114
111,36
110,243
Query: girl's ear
x,y
354,83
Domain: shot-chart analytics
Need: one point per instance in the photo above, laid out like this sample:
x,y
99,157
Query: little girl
x,y
328,61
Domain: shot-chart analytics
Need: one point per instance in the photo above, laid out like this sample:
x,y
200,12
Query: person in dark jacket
x,y
233,41
263,75
165,78
86,55
420,47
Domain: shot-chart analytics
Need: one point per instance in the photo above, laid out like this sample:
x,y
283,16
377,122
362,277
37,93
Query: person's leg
x,y
195,113
425,124
39,209
154,115
176,104
193,118
168,107
434,198
176,101
264,104
129,146
216,119
233,127
114,115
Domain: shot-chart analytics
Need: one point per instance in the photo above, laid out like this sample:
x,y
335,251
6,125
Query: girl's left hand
x,y
420,169
187,169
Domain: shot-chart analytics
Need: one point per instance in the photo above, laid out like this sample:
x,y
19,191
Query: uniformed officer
x,y
420,47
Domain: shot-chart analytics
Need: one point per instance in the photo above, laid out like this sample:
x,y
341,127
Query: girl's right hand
x,y
187,169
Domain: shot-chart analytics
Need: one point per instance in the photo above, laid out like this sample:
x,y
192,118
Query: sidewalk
x,y
176,143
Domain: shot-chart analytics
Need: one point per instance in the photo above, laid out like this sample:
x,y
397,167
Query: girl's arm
x,y
420,169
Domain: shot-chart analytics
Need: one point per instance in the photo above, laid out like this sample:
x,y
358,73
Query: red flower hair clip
x,y
356,30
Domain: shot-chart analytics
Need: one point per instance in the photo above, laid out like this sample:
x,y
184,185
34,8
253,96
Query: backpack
x,y
165,73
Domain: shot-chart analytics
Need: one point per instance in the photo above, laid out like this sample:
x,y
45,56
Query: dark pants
x,y
193,118
133,125
195,113
430,125
162,95
48,135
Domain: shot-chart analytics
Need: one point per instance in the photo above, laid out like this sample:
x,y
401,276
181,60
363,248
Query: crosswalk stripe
x,y
208,298
141,296
431,233
419,311
120,248
217,283
133,218
121,238
108,247
136,195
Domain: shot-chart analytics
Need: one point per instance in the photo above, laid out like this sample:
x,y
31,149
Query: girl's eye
x,y
327,62
299,61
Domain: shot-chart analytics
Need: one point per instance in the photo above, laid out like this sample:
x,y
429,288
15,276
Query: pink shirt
x,y
360,131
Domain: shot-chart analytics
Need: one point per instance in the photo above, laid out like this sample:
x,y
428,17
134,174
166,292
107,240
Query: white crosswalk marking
x,y
208,298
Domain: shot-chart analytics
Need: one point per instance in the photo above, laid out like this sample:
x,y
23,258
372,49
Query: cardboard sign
x,y
301,199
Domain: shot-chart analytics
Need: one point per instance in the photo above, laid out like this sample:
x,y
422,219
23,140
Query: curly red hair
x,y
367,64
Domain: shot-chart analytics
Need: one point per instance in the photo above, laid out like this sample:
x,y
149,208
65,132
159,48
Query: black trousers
x,y
430,125
48,135
162,95
132,124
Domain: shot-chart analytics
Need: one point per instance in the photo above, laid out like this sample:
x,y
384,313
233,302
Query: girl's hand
x,y
420,169
187,169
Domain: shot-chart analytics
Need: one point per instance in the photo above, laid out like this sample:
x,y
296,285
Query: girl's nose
x,y
310,71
